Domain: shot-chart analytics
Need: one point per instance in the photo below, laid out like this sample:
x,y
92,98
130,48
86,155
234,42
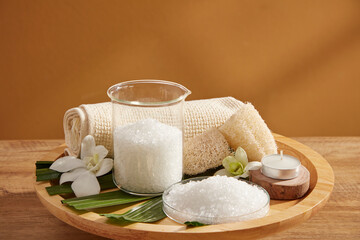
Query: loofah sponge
x,y
248,130
204,152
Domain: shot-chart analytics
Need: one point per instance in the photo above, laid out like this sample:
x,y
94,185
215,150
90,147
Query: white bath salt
x,y
215,200
148,156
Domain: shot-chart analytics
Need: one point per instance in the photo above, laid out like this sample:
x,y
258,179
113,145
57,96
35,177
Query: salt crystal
x,y
215,200
148,156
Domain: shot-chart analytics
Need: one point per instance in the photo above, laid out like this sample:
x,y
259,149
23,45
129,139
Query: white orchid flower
x,y
83,172
238,166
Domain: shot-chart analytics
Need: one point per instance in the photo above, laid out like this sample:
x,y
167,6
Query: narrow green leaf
x,y
43,164
149,211
59,189
105,182
44,174
42,171
194,224
103,200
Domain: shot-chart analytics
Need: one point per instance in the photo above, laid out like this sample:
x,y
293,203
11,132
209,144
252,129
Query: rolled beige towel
x,y
96,120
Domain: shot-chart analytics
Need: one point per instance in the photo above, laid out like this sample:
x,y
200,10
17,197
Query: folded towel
x,y
96,120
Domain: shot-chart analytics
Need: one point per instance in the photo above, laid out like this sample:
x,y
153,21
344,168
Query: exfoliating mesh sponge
x,y
247,129
205,151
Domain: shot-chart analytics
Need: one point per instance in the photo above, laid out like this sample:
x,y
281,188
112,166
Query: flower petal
x,y
67,163
251,166
241,156
223,172
85,185
244,175
87,147
101,151
232,165
105,167
255,165
72,175
240,169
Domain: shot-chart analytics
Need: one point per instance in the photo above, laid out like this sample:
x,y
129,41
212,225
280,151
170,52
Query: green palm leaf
x,y
149,211
44,174
106,182
103,200
43,164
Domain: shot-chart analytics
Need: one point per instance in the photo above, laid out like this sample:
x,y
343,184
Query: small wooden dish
x,y
282,215
283,189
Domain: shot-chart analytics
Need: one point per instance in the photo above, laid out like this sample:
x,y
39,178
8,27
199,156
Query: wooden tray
x,y
282,214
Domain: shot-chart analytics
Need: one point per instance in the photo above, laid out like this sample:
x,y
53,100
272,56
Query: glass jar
x,y
148,135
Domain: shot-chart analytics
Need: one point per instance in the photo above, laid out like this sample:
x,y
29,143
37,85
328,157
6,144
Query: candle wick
x,y
281,154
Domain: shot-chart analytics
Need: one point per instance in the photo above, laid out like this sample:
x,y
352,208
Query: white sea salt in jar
x,y
148,156
148,137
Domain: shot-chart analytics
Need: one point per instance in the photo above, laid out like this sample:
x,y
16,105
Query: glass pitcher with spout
x,y
148,135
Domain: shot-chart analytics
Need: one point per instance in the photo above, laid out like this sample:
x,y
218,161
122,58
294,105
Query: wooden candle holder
x,y
283,189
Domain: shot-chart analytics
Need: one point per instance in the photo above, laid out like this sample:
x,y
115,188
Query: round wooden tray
x,y
282,214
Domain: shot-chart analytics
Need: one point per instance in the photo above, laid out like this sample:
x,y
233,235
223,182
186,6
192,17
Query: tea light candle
x,y
280,166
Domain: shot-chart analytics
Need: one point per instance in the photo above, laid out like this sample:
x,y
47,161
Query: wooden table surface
x,y
23,217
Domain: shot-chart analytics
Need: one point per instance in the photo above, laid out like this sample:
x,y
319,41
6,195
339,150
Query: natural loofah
x,y
248,130
204,152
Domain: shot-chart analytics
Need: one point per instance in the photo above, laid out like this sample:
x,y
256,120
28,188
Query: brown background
x,y
298,62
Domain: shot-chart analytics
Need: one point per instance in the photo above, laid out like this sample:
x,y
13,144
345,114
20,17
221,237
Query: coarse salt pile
x,y
215,200
148,156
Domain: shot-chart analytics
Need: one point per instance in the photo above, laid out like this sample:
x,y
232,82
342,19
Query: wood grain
x,y
23,215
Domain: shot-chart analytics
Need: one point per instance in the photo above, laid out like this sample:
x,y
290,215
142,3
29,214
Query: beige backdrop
x,y
298,62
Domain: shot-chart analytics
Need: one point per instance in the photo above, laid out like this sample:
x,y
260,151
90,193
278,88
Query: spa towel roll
x,y
96,119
